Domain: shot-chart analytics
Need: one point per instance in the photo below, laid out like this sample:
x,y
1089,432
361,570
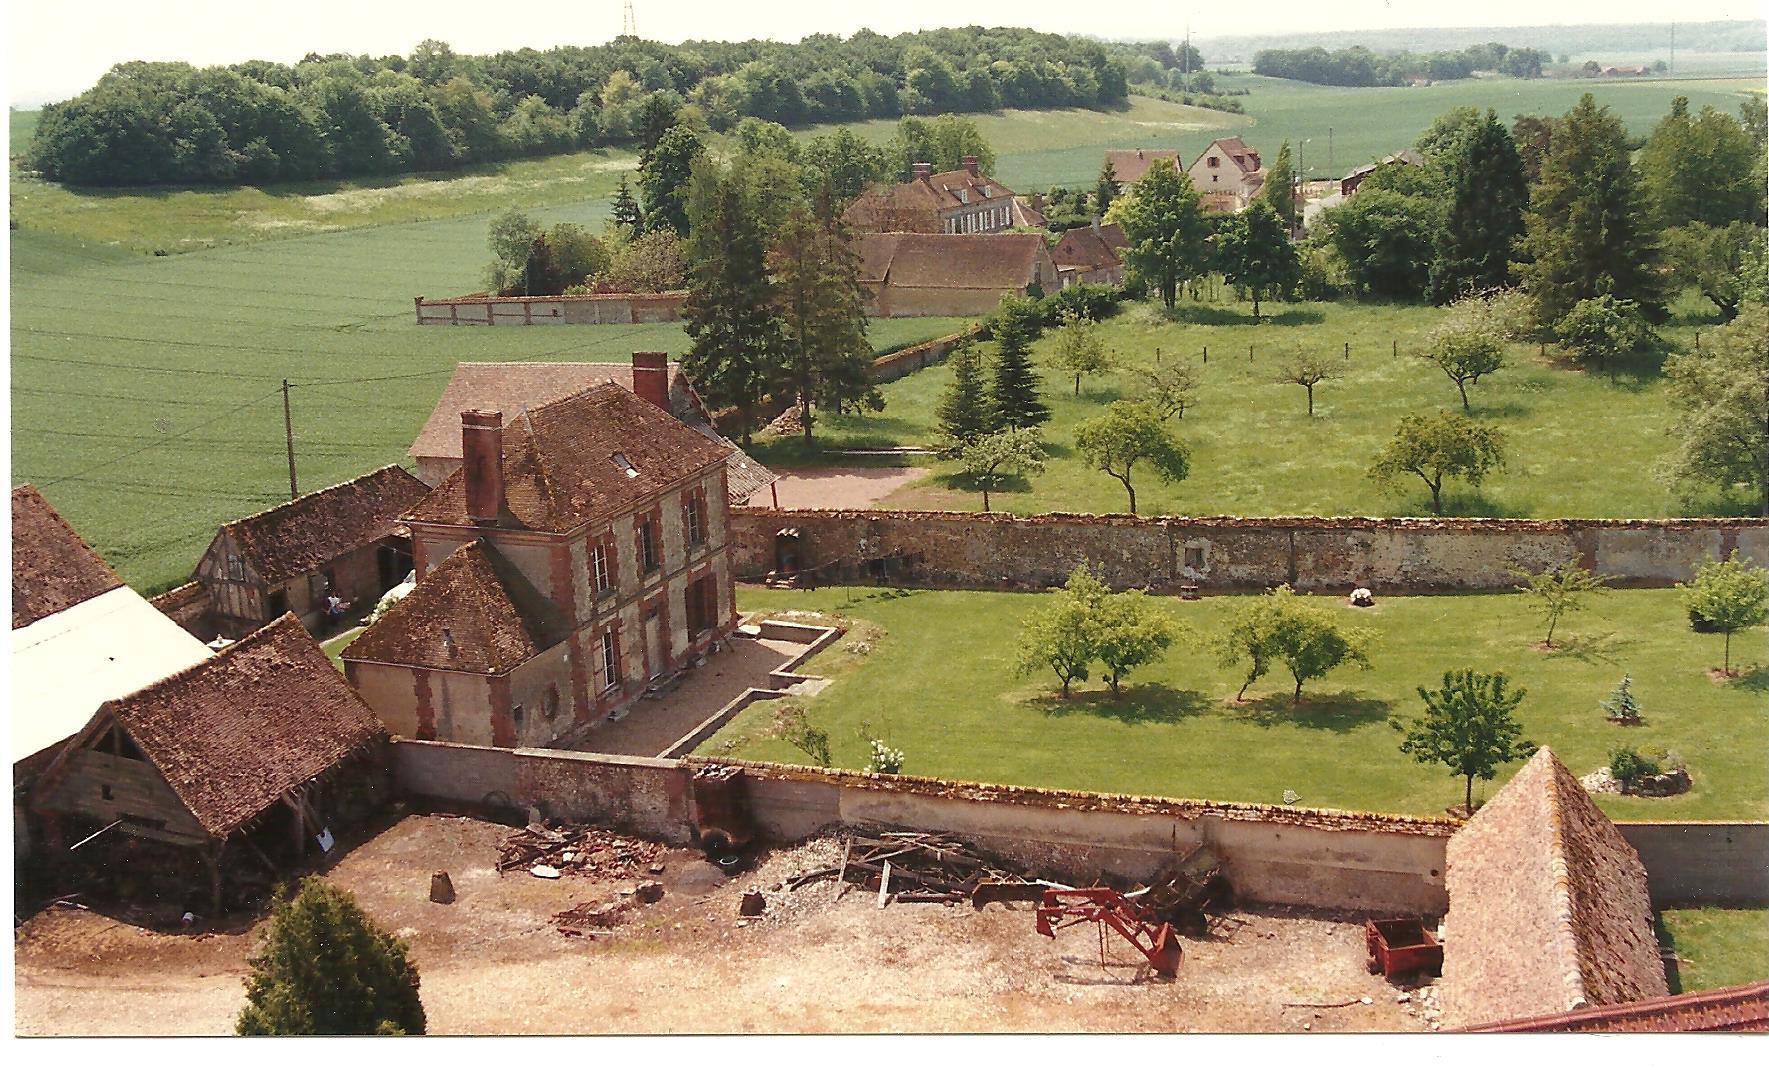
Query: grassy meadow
x,y
1580,444
1716,947
1177,732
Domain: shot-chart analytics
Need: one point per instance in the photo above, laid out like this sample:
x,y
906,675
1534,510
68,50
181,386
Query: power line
x,y
154,445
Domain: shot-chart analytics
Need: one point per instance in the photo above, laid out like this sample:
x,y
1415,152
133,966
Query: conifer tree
x,y
1014,393
1487,197
1586,232
964,412
735,358
626,210
1277,192
1107,189
816,275
325,969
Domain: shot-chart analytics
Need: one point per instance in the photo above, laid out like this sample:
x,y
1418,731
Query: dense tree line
x,y
342,115
1359,66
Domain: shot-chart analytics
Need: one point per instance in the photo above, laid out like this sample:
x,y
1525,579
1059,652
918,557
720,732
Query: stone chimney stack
x,y
482,464
651,378
970,164
922,171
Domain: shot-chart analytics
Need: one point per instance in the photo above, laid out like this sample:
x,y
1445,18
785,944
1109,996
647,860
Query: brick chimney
x,y
482,464
651,378
970,164
921,172
1096,224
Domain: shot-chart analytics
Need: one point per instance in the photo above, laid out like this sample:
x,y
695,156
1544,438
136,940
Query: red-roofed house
x,y
964,201
579,557
1128,165
951,274
263,740
1090,254
1228,175
345,540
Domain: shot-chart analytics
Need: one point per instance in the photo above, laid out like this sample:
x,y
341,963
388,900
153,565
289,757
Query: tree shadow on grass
x,y
1755,680
1139,704
1339,711
1667,944
1475,503
1505,410
1602,648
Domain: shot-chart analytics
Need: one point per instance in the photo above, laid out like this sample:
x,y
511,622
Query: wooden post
x,y
212,864
491,318
1249,350
289,438
1394,347
418,308
1348,352
293,799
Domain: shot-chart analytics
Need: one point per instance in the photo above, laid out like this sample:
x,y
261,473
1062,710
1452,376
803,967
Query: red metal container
x,y
1401,945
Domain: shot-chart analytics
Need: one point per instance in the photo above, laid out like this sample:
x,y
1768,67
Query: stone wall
x,y
893,366
191,607
1703,861
999,551
484,310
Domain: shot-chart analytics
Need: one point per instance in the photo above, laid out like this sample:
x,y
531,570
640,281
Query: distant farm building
x,y
1090,254
512,388
1128,165
345,540
1355,177
951,274
964,201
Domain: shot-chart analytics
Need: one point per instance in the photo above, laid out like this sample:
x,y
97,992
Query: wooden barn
x,y
345,539
262,751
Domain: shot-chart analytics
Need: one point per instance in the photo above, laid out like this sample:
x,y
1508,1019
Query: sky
x,y
57,50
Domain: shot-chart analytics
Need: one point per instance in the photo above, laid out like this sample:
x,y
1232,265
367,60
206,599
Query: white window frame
x,y
600,574
610,667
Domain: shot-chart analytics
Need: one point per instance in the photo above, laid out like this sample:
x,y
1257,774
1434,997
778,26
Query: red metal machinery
x,y
1063,907
1401,945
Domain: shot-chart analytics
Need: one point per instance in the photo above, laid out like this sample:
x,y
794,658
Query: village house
x,y
263,742
579,557
1355,177
1228,175
965,201
951,274
345,540
1549,909
80,637
1128,165
1090,254
510,388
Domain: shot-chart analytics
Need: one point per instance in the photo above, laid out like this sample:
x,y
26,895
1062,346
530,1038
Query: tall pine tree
x,y
735,358
626,209
1586,231
964,412
816,276
1106,190
1487,197
1014,392
1277,191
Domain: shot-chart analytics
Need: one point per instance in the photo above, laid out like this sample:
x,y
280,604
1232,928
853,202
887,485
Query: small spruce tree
x,y
1621,706
1015,389
964,411
626,211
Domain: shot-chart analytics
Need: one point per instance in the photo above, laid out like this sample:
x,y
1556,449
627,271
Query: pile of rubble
x,y
554,849
910,867
599,919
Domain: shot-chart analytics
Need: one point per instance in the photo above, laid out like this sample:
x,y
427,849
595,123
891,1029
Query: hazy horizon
x,y
58,51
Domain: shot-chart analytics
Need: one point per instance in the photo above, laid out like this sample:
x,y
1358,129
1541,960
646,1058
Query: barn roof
x,y
52,567
304,535
949,261
1548,906
1128,165
1090,248
563,462
474,612
1736,1009
233,734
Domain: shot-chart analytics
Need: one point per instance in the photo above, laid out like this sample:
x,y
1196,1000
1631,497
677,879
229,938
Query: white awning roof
x,y
69,663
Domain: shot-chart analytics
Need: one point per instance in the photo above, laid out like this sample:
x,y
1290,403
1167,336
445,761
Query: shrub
x,y
1628,765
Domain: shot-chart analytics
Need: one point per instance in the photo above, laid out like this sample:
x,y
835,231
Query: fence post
x,y
418,308
1249,350
1394,347
1348,352
1206,354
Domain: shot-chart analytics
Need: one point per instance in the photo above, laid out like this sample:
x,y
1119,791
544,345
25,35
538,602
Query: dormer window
x,y
963,196
988,191
621,462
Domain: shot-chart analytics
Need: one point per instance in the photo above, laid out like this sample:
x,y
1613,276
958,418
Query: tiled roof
x,y
234,733
473,612
962,261
559,466
303,535
1128,165
1404,156
1548,906
509,387
889,206
52,567
1739,1009
1085,247
1238,151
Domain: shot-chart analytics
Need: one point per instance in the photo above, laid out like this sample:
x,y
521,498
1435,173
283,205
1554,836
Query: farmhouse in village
x,y
578,557
1128,165
345,540
1090,254
262,742
951,274
510,388
1228,174
79,639
964,201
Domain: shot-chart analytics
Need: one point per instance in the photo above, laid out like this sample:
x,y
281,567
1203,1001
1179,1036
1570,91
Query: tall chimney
x,y
1096,223
651,378
482,464
970,164
922,171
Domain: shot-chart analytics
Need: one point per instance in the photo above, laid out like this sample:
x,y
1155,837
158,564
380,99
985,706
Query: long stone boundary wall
x,y
486,310
998,551
893,366
1703,861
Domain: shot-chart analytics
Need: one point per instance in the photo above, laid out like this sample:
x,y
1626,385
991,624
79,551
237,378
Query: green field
x,y
1177,732
1716,946
1257,452
145,390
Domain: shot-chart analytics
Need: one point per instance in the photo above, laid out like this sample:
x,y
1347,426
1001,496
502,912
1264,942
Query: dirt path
x,y
495,963
835,487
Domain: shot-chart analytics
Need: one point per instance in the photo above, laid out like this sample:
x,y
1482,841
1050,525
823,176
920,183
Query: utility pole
x,y
1673,64
1329,152
1185,58
289,438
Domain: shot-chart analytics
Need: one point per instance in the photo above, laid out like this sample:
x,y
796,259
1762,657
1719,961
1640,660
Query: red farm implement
x,y
1063,907
1401,945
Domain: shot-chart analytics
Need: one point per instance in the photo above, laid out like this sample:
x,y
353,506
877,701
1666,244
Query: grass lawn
x,y
145,390
334,647
939,686
1580,445
1716,946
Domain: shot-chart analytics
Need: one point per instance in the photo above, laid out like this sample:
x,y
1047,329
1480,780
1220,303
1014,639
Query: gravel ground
x,y
494,962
